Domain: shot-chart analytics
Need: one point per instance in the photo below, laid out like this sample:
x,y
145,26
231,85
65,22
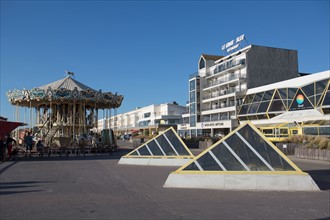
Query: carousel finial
x,y
69,73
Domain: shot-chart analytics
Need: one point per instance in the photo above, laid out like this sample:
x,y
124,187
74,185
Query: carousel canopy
x,y
66,83
65,90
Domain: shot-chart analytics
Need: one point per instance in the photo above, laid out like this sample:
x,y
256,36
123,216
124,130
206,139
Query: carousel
x,y
63,110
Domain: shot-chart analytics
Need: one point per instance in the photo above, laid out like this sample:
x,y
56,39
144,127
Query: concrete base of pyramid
x,y
275,182
153,161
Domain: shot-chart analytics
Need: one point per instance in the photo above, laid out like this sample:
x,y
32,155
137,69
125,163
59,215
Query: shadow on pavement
x,y
114,155
321,178
8,188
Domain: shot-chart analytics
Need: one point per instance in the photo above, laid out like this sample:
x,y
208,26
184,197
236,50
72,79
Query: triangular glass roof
x,y
245,149
167,144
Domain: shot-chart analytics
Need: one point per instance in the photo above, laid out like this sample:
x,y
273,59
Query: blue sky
x,y
146,50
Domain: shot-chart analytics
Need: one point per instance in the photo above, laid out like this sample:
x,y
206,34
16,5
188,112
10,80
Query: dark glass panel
x,y
165,146
248,98
154,148
244,109
310,131
326,99
263,107
208,163
258,97
276,96
276,106
253,108
134,153
176,143
227,159
324,130
291,93
264,149
308,90
246,154
191,166
283,93
268,95
143,151
320,86
201,63
318,98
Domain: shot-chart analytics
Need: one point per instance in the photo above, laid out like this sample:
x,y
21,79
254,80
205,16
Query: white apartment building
x,y
217,90
147,120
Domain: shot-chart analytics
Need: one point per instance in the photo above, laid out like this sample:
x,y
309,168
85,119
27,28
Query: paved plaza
x,y
96,187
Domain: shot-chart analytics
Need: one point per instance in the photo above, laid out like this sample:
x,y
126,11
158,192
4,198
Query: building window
x,y
193,121
192,109
192,97
201,63
192,85
147,115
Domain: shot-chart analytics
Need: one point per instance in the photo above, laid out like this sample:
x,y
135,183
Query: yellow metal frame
x,y
300,88
190,156
287,106
320,103
297,169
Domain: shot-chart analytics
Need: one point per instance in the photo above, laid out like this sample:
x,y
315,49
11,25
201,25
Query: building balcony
x,y
219,108
228,92
223,68
224,81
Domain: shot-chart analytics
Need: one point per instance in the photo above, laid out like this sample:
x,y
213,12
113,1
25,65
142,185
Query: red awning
x,y
8,126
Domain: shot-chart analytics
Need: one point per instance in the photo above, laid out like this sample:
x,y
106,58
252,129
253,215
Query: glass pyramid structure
x,y
244,150
167,145
244,159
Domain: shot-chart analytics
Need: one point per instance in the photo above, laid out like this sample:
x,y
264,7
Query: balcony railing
x,y
221,118
221,93
219,106
226,66
221,81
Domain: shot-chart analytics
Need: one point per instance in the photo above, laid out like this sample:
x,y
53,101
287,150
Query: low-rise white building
x,y
147,120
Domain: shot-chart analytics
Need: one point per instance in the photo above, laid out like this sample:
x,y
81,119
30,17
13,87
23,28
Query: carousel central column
x,y
38,116
58,114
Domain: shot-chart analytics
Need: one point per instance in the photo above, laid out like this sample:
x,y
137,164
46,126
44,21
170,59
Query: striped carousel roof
x,y
67,83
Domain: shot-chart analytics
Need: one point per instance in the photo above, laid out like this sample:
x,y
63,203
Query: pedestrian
x,y
3,149
28,141
40,148
9,143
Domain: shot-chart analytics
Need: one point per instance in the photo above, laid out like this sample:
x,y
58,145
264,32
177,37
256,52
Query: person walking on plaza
x,y
9,143
3,150
28,141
